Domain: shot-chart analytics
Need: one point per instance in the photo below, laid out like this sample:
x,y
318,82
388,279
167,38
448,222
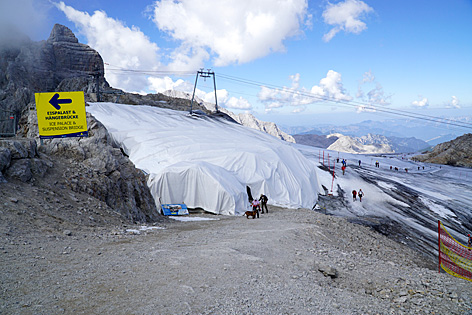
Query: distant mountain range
x,y
432,133
367,144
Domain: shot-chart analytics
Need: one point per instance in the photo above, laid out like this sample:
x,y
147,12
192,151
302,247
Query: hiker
x,y
360,194
359,163
354,194
470,240
263,199
390,167
343,168
256,206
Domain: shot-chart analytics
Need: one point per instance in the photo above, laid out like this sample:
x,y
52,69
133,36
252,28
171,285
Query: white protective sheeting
x,y
207,162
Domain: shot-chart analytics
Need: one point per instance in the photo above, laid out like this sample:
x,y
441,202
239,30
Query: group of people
x,y
259,204
356,194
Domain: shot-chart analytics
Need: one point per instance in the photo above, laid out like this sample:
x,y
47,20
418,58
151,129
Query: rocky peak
x,y
61,33
27,67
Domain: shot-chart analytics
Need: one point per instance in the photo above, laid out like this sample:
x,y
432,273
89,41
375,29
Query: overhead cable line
x,y
357,104
350,103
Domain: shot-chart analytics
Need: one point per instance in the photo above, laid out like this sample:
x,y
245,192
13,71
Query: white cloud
x,y
345,16
119,46
275,98
232,31
299,109
376,94
329,88
368,77
423,103
455,103
26,16
332,87
366,109
238,103
160,85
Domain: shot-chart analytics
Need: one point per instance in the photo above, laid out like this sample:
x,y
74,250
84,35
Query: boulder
x,y
20,169
327,270
5,158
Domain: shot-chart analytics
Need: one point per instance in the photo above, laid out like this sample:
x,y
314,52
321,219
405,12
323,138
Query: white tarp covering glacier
x,y
206,162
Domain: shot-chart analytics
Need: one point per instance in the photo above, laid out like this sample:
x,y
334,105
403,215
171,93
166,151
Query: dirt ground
x,y
289,261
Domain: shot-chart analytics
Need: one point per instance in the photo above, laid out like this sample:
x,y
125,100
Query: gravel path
x,y
232,265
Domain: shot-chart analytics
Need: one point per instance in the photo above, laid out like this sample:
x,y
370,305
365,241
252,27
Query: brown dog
x,y
250,213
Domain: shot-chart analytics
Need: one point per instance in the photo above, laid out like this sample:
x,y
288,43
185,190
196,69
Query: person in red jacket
x,y
354,194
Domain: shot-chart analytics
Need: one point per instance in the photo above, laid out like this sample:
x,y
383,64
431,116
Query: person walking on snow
x,y
263,199
343,168
360,194
354,194
470,240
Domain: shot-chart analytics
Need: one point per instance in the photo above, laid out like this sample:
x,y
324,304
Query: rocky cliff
x,y
92,166
457,152
28,67
271,128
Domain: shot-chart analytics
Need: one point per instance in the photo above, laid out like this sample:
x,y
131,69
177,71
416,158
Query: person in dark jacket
x,y
263,199
360,193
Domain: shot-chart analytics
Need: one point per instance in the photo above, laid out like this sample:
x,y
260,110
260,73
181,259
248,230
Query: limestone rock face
x,y
70,58
99,168
28,67
271,128
457,152
92,165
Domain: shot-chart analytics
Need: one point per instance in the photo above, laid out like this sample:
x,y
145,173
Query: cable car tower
x,y
204,75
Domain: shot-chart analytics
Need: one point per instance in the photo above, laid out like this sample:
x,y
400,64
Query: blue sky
x,y
346,59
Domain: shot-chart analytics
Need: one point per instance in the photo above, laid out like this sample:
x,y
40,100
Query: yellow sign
x,y
61,114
